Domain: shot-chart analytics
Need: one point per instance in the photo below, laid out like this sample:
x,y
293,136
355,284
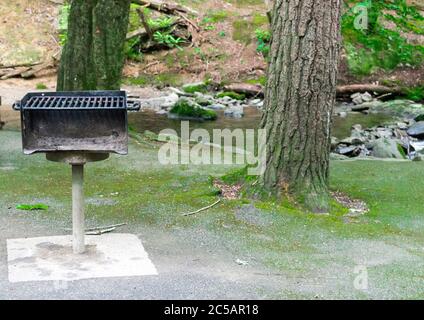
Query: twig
x,y
107,227
195,26
145,24
99,232
202,209
151,64
384,96
101,228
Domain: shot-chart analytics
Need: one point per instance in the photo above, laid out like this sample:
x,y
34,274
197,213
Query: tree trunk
x,y
93,56
299,99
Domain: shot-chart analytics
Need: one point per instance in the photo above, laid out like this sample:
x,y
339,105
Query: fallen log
x,y
15,72
30,64
165,7
141,32
34,70
378,89
245,88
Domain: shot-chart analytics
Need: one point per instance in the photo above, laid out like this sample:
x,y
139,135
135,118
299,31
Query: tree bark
x,y
93,56
299,99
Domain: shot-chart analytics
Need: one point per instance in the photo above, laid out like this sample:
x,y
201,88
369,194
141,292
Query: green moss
x,y
218,15
183,108
245,3
244,29
261,80
40,86
260,19
275,236
231,94
201,87
160,80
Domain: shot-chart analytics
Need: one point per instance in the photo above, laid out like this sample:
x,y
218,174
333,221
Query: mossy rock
x,y
186,110
231,94
195,87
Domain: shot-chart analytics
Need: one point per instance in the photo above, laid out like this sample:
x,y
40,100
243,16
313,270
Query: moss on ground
x,y
161,80
311,255
244,29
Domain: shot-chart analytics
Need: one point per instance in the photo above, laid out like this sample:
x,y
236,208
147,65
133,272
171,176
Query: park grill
x,y
89,121
75,128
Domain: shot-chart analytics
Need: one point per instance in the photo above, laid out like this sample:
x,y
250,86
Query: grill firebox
x,y
87,121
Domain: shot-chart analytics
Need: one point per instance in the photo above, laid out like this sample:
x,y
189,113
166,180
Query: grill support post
x,y
78,225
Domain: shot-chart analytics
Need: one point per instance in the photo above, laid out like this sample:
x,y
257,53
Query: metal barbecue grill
x,y
75,128
91,121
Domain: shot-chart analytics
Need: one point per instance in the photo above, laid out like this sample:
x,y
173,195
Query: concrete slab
x,y
51,258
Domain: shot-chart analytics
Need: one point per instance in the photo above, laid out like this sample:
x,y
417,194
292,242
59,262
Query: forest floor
x,y
285,253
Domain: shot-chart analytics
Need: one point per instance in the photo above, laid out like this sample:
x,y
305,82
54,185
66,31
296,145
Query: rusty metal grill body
x,y
86,121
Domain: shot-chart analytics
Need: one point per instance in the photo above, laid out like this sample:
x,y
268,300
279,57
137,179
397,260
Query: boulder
x,y
359,98
158,103
235,112
348,150
416,130
216,106
387,148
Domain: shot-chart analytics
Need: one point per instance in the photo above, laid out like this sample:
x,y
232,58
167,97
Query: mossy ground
x,y
299,255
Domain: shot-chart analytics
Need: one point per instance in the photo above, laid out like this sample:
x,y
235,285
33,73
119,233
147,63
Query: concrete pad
x,y
51,258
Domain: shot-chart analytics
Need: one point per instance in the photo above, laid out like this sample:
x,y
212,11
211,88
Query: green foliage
x,y
221,34
38,206
40,86
184,108
261,80
201,87
231,94
415,93
263,38
209,27
63,23
161,23
131,49
167,40
378,46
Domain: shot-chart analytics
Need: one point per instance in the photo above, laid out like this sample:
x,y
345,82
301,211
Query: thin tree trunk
x,y
93,56
299,99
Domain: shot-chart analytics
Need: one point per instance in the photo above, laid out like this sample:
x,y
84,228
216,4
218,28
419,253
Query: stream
x,y
149,120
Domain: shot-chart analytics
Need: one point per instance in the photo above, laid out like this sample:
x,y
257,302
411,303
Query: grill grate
x,y
76,100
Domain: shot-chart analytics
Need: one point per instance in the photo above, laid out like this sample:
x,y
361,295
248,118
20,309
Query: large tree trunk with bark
x,y
93,56
299,99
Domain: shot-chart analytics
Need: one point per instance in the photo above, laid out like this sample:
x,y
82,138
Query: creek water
x,y
149,120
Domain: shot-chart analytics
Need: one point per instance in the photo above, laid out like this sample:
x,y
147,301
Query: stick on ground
x,y
202,209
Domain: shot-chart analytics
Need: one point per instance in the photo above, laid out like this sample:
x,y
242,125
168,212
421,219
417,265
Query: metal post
x,y
78,226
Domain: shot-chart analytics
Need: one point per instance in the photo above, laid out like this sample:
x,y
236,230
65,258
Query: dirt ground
x,y
28,33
